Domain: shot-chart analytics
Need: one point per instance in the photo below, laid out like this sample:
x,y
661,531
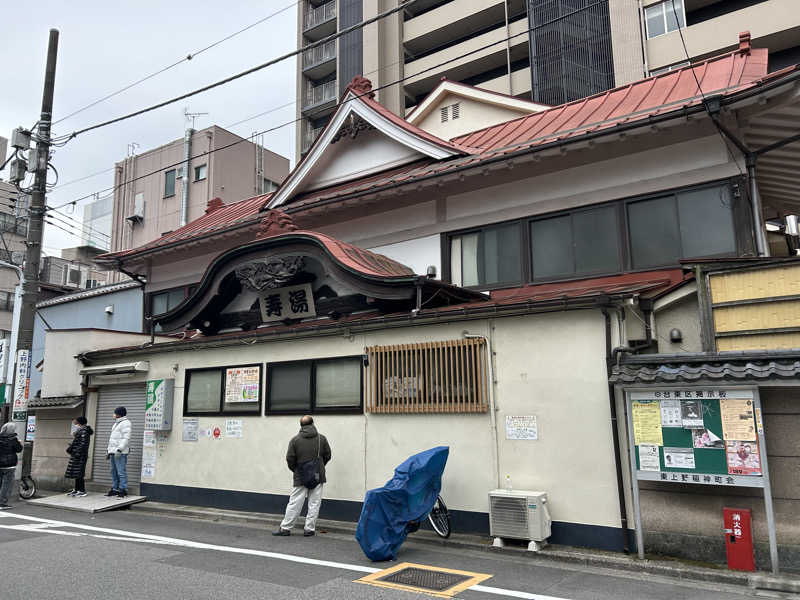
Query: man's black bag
x,y
309,470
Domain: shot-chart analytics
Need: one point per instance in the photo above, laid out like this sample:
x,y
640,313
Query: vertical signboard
x,y
22,386
158,405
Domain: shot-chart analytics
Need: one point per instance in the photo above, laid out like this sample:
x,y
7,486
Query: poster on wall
x,y
705,438
30,430
692,414
648,458
671,413
233,428
738,419
647,423
242,384
190,429
679,458
521,427
743,457
149,455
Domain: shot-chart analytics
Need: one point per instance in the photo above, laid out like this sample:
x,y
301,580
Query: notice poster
x,y
648,458
692,414
521,427
149,455
30,430
743,457
738,419
679,458
242,384
646,423
233,428
671,413
705,438
191,429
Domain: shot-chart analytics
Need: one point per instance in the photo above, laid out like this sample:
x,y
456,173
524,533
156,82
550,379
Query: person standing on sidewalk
x,y
118,448
78,452
306,458
9,448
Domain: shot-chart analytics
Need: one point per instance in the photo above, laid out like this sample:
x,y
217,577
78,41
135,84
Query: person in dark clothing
x,y
306,446
78,452
9,448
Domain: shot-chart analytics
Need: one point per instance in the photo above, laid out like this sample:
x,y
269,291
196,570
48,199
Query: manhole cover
x,y
435,581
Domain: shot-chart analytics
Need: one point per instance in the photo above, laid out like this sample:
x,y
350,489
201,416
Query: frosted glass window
x,y
290,386
706,217
487,257
654,233
338,383
551,247
204,391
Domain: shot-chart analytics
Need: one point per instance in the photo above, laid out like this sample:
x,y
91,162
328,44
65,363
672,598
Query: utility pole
x,y
33,250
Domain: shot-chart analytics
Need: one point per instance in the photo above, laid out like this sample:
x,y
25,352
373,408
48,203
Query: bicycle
x,y
27,486
439,518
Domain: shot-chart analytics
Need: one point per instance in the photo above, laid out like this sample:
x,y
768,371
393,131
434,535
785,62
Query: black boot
x,y
122,493
112,492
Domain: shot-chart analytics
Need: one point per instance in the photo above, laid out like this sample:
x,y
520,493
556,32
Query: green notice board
x,y
700,435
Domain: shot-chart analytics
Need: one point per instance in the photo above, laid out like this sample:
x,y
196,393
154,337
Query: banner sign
x,y
22,386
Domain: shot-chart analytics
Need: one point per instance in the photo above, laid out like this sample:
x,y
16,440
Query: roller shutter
x,y
132,397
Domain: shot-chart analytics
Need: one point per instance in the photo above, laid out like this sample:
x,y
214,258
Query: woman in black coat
x,y
78,452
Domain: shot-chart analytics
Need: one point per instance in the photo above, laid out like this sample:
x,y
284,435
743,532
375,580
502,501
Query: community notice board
x,y
700,435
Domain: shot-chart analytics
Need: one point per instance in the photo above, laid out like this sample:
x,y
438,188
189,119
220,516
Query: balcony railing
x,y
310,134
319,54
321,14
319,94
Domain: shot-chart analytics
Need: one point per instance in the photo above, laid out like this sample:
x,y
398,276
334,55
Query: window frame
x,y
740,221
205,173
221,412
663,6
312,408
174,182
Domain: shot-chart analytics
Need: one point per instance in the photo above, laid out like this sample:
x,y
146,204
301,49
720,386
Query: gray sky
x,y
104,46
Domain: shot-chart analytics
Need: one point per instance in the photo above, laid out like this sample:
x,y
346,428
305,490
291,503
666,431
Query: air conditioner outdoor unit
x,y
521,515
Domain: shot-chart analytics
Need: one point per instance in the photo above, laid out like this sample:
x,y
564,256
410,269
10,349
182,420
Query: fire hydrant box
x,y
739,539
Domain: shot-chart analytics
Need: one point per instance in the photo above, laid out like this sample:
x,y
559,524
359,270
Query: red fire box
x,y
739,539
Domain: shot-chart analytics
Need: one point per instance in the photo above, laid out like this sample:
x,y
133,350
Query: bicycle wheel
x,y
27,487
439,518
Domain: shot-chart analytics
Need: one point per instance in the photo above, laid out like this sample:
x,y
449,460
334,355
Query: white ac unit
x,y
519,514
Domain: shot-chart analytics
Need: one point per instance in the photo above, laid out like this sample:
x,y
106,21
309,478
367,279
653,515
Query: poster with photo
x,y
242,384
671,413
679,458
705,438
738,419
648,458
743,457
692,414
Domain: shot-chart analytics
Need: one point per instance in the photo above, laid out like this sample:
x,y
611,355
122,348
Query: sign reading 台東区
x,y
294,302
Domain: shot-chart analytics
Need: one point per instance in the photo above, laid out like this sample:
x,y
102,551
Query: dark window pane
x,y
500,250
551,247
160,303
706,222
596,241
655,240
290,387
338,383
204,391
169,183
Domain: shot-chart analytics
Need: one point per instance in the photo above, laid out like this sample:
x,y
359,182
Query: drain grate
x,y
426,579
435,581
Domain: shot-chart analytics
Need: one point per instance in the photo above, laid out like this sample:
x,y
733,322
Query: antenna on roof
x,y
192,116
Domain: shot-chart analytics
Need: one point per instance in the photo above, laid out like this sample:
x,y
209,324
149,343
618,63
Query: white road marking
x,y
133,536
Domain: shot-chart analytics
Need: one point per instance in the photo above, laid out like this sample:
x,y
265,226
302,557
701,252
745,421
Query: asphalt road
x,y
50,553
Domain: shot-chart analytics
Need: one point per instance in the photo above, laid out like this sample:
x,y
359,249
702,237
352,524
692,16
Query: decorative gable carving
x,y
352,126
269,273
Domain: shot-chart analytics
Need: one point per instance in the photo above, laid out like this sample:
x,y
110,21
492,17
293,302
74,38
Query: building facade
x,y
547,51
97,217
412,286
14,229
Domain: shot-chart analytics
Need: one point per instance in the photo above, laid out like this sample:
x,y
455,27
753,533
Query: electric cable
x,y
187,58
73,234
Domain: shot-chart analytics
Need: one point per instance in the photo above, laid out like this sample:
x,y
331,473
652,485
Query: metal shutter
x,y
132,397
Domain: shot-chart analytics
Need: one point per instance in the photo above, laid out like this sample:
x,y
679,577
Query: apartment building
x,y
547,51
162,189
74,269
97,217
14,229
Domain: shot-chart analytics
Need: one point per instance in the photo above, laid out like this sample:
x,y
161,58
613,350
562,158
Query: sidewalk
x,y
676,569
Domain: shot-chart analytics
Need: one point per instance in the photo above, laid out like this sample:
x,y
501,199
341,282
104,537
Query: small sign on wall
x,y
295,302
521,427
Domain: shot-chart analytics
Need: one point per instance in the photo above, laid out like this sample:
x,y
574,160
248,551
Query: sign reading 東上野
x,y
704,436
295,302
158,405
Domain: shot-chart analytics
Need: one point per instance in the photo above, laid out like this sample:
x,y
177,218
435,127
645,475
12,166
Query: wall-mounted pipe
x,y
187,153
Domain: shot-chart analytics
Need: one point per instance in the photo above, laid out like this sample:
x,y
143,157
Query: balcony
x,y
318,96
310,134
320,61
320,21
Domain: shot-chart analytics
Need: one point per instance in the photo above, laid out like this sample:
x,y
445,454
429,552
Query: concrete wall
x,y
531,375
682,314
87,312
686,520
626,41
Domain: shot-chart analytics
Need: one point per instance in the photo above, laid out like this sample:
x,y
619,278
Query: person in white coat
x,y
118,448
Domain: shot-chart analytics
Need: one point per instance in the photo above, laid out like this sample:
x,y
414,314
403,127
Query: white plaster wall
x,y
551,366
473,116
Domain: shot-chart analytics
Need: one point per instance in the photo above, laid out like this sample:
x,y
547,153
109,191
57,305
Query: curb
x,y
674,569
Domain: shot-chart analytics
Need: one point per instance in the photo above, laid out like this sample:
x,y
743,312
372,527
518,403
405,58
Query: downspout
x,y
492,402
187,153
623,509
755,202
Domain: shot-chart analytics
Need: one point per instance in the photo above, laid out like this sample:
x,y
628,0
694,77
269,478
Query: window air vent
x,y
454,110
443,113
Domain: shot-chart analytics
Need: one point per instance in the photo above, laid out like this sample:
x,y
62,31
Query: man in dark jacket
x,y
306,446
9,448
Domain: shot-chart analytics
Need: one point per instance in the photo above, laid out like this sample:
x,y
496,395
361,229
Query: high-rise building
x,y
97,222
548,51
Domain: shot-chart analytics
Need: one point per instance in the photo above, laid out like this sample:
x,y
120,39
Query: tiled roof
x,y
98,291
721,370
55,402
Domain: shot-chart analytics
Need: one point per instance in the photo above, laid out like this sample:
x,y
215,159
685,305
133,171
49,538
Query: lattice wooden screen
x,y
431,377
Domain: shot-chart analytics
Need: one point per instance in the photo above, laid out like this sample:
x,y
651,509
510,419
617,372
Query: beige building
x,y
548,51
159,190
14,229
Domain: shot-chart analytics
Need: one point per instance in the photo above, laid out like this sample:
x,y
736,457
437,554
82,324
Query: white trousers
x,y
295,506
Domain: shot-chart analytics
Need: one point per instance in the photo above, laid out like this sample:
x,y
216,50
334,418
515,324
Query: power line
x,y
87,229
293,121
73,234
249,71
85,177
187,58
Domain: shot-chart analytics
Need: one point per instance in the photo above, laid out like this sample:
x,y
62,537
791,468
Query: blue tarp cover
x,y
406,497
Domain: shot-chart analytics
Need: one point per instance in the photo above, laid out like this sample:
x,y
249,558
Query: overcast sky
x,y
104,46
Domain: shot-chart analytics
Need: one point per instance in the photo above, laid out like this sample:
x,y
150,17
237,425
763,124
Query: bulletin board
x,y
701,436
